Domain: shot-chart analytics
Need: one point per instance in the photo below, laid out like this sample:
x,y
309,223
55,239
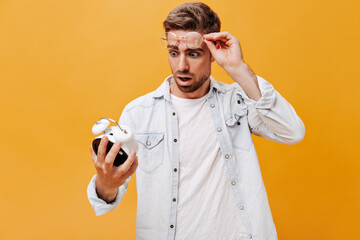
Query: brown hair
x,y
194,16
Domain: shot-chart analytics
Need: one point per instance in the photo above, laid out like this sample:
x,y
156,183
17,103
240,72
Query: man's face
x,y
191,68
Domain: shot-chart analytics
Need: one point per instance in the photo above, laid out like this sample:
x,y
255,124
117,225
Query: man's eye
x,y
194,54
173,53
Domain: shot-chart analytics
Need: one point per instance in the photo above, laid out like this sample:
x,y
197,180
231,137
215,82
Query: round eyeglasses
x,y
192,40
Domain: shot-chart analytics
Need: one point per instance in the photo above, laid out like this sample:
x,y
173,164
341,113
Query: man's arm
x,y
270,115
227,53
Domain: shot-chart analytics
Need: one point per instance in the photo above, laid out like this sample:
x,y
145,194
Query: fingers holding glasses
x,y
223,39
226,51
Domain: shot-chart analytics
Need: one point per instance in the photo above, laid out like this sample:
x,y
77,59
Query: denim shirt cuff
x,y
267,100
100,206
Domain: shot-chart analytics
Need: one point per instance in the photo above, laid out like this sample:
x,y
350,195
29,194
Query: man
x,y
198,175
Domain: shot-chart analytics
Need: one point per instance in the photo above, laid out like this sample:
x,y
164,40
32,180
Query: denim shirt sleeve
x,y
100,206
272,117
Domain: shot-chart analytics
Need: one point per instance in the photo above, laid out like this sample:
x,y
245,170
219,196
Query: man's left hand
x,y
226,51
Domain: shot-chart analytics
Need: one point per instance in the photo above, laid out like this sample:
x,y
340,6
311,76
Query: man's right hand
x,y
109,177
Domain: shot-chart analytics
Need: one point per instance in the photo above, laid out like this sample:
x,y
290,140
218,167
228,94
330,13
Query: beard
x,y
196,83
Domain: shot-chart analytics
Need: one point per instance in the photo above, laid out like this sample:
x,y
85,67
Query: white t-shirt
x,y
206,204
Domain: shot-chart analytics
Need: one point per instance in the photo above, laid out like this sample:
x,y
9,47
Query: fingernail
x,y
117,144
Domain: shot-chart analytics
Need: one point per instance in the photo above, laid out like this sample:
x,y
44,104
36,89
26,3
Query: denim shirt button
x,y
171,226
227,156
148,143
219,129
241,207
234,183
212,105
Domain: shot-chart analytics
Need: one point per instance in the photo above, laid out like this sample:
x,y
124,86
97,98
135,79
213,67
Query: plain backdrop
x,y
65,64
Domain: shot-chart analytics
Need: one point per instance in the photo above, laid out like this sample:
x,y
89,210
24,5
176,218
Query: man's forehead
x,y
180,32
202,48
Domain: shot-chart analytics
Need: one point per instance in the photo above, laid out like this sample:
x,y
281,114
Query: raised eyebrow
x,y
194,50
174,47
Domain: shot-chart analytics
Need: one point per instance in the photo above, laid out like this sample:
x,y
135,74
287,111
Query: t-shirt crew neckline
x,y
188,101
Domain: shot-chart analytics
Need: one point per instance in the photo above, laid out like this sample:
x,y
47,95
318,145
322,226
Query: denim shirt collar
x,y
164,89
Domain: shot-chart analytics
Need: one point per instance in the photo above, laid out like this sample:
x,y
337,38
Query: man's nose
x,y
183,64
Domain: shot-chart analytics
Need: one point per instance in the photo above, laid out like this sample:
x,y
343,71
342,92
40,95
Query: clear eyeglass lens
x,y
191,39
172,40
169,39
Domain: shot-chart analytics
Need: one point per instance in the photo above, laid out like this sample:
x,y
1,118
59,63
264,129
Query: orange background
x,y
64,64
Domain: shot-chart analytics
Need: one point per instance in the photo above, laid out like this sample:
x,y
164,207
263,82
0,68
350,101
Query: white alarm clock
x,y
118,133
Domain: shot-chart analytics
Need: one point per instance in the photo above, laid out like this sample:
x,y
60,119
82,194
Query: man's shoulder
x,y
143,101
151,98
226,88
148,100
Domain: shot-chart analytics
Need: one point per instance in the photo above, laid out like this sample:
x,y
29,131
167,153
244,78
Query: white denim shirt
x,y
235,117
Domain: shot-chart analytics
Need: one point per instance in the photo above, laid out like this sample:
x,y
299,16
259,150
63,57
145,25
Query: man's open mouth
x,y
184,78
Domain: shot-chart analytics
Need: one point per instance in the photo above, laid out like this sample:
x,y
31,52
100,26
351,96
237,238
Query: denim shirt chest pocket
x,y
151,151
237,123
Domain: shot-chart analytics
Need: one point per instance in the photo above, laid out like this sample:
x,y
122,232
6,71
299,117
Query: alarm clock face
x,y
118,133
120,157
